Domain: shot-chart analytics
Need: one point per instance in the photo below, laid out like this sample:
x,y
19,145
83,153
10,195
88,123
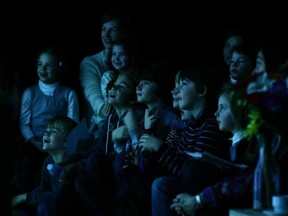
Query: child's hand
x,y
19,199
150,143
105,110
120,133
130,120
150,118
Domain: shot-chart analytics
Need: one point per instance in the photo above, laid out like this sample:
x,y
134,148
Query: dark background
x,y
175,32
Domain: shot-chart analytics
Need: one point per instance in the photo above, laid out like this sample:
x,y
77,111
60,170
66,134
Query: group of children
x,y
142,138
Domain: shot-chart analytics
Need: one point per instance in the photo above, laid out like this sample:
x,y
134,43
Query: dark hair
x,y
122,16
67,123
131,78
159,72
132,49
204,78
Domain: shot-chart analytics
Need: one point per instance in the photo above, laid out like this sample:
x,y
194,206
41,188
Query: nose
x,y
139,87
175,91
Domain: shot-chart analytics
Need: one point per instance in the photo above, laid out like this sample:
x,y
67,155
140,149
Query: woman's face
x,y
110,31
48,68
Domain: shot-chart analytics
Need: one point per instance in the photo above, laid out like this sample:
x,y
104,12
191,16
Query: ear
x,y
203,93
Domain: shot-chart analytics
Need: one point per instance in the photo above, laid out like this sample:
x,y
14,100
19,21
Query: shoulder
x,y
92,58
30,90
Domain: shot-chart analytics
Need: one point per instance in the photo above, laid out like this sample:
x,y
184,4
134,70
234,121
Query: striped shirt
x,y
202,134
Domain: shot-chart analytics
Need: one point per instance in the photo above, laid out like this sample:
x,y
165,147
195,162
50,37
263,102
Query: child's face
x,y
120,95
175,95
48,68
224,115
119,57
229,45
54,139
110,31
240,66
188,95
260,63
146,92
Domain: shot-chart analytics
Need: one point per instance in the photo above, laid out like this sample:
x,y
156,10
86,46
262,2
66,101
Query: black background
x,y
169,31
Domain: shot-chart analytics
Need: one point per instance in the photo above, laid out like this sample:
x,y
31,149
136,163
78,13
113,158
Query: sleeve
x,y
44,191
90,78
25,115
73,106
204,138
228,190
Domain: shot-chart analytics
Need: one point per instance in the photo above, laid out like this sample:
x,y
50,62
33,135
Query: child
x,y
40,103
101,166
52,197
122,58
242,63
231,117
201,134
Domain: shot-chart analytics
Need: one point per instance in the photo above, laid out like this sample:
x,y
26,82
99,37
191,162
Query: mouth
x,y
176,99
46,141
43,74
233,72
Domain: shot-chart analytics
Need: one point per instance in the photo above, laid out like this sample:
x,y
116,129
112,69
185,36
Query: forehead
x,y
223,99
236,54
56,126
112,24
186,79
47,57
123,79
235,40
118,48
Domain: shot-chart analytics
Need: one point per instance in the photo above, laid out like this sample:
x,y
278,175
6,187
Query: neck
x,y
58,156
122,110
154,104
237,136
198,108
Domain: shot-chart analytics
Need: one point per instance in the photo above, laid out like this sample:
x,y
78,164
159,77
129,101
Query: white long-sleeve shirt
x,y
49,90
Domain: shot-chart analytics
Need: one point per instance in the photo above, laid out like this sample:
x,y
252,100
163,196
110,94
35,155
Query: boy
x,y
51,194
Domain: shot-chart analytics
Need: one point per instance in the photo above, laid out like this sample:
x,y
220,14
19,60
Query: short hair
x,y
122,16
248,50
67,123
159,72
